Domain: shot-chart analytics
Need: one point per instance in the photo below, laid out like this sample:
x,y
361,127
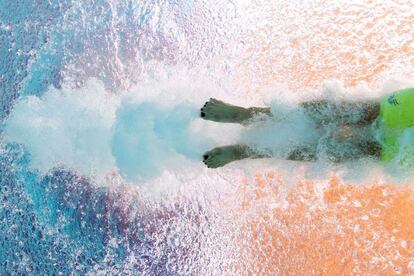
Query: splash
x,y
287,129
144,132
95,133
69,128
149,139
210,221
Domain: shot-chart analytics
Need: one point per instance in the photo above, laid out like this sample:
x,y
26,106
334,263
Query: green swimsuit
x,y
396,117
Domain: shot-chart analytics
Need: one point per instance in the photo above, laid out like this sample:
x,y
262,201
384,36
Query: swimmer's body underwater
x,y
389,115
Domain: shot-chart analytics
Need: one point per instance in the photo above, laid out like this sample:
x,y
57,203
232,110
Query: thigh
x,y
341,113
346,149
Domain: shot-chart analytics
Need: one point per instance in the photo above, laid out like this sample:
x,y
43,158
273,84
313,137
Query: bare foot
x,y
218,111
221,156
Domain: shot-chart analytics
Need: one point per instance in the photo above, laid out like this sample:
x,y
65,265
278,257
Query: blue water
x,y
58,222
98,107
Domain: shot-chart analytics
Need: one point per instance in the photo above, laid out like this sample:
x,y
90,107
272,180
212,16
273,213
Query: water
x,y
101,143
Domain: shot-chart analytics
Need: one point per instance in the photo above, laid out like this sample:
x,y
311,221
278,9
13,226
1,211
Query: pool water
x,y
101,144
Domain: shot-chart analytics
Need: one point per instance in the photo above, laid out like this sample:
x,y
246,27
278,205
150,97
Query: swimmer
x,y
389,116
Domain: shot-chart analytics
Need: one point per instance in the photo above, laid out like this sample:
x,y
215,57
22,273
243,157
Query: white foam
x,y
288,129
148,139
138,134
151,129
68,127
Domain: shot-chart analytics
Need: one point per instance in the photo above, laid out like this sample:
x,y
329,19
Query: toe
x,y
203,114
211,165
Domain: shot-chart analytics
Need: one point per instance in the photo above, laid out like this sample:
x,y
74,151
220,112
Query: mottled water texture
x,y
72,211
56,221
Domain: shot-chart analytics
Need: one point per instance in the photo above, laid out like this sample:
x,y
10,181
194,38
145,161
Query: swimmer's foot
x,y
221,156
218,111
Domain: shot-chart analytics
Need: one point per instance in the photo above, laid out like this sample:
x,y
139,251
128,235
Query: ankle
x,y
259,111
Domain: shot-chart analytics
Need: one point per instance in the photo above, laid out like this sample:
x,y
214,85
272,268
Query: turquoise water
x,y
57,213
100,144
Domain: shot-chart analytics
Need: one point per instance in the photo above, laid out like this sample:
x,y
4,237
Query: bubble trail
x,y
75,75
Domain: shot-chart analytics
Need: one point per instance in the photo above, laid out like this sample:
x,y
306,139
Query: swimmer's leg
x,y
218,111
303,153
347,150
322,112
338,151
334,151
342,113
221,156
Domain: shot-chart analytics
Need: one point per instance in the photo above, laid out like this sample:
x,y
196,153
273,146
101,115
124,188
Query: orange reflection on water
x,y
302,46
333,228
324,227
